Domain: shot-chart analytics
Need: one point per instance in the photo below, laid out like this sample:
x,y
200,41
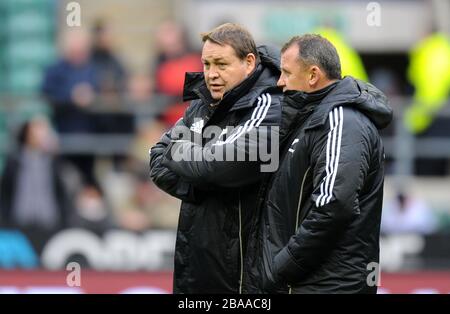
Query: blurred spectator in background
x,y
70,86
174,59
408,214
140,87
33,192
388,82
148,207
148,135
92,211
110,72
429,72
109,111
140,97
137,203
112,81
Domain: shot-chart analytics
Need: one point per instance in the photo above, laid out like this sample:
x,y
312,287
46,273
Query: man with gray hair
x,y
319,231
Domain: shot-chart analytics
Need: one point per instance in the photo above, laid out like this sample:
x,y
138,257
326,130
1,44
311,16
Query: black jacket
x,y
319,229
218,197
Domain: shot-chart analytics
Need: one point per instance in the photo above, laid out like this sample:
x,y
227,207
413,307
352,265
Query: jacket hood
x,y
267,71
270,57
360,95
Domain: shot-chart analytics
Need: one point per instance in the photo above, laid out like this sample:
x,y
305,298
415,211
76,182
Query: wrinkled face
x,y
294,74
223,69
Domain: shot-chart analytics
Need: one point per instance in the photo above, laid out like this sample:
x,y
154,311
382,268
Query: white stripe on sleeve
x,y
336,118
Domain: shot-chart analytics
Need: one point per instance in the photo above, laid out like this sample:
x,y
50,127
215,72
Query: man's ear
x,y
250,61
314,75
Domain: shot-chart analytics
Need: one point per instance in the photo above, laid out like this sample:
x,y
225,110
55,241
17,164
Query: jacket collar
x,y
363,96
342,92
297,106
299,100
345,92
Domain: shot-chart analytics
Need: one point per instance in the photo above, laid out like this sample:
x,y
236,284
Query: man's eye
x,y
221,66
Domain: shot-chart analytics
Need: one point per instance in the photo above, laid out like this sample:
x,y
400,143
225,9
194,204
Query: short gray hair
x,y
235,35
317,50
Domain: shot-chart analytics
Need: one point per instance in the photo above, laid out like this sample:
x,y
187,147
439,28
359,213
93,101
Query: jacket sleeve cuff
x,y
286,267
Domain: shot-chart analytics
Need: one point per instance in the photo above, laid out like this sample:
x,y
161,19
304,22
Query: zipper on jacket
x,y
298,121
240,246
300,197
298,208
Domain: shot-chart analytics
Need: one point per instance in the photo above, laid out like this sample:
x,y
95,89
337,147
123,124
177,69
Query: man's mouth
x,y
216,87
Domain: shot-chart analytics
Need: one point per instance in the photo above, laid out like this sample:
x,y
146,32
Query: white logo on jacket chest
x,y
197,126
292,149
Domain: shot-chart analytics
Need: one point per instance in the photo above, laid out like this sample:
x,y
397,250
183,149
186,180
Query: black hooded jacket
x,y
319,227
218,197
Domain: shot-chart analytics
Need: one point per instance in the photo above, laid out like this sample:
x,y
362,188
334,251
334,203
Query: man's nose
x,y
280,82
212,74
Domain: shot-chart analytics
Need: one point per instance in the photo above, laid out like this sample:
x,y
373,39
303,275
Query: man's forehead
x,y
291,52
215,51
214,57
